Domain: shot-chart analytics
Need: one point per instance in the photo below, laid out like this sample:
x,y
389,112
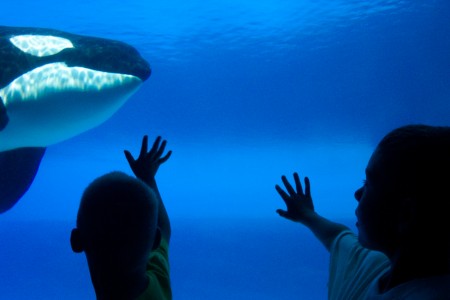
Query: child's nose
x,y
358,194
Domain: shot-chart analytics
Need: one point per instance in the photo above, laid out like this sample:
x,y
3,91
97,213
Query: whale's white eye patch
x,y
40,45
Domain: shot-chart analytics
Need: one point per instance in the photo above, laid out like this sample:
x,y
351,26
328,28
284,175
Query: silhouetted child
x,y
402,250
124,230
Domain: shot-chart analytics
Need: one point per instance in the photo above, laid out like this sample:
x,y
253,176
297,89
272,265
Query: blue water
x,y
244,91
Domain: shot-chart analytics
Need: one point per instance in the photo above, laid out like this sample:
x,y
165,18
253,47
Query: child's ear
x,y
157,239
75,241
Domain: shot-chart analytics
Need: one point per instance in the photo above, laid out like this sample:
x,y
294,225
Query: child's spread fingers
x,y
282,213
129,157
307,187
144,146
165,158
155,146
298,184
161,149
288,186
282,193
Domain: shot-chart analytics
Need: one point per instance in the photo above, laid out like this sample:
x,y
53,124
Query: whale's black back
x,y
89,52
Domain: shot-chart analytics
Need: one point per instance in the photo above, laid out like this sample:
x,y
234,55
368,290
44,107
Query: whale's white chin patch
x,y
54,102
58,77
40,45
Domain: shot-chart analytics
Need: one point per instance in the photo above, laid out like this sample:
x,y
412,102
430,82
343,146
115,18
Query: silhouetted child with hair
x,y
124,230
402,250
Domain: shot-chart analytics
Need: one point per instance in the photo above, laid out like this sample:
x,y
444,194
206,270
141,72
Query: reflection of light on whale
x,y
54,102
40,45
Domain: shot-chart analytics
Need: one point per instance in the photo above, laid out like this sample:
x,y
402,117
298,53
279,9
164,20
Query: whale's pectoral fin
x,y
18,168
3,116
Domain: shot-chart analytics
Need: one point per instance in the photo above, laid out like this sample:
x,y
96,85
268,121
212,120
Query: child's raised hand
x,y
298,203
147,164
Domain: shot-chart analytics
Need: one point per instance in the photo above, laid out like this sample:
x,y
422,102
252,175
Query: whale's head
x,y
55,85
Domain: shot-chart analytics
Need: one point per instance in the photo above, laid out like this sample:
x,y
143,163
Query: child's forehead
x,y
376,162
379,165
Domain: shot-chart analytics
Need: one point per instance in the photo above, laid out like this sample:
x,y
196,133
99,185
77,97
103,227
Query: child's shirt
x,y
158,273
355,272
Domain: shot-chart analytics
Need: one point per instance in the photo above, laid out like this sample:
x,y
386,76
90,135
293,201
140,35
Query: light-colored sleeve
x,y
353,268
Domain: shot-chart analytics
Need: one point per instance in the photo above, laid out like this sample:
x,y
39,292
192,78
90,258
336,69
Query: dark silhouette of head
x,y
116,226
418,156
405,200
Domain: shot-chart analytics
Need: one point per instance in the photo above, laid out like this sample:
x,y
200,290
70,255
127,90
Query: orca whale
x,y
55,85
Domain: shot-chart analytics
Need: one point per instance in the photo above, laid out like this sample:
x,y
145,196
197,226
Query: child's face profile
x,y
376,213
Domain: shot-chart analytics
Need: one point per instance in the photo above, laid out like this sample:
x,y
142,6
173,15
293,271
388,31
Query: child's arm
x,y
145,168
300,208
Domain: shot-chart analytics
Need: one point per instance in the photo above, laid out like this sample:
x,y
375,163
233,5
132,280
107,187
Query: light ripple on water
x,y
174,26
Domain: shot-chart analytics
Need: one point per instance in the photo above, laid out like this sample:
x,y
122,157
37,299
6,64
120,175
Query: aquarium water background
x,y
244,92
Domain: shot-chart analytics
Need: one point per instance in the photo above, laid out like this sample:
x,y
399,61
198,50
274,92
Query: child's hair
x,y
118,211
419,158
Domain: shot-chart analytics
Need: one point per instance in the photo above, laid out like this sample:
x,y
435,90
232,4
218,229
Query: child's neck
x,y
110,287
